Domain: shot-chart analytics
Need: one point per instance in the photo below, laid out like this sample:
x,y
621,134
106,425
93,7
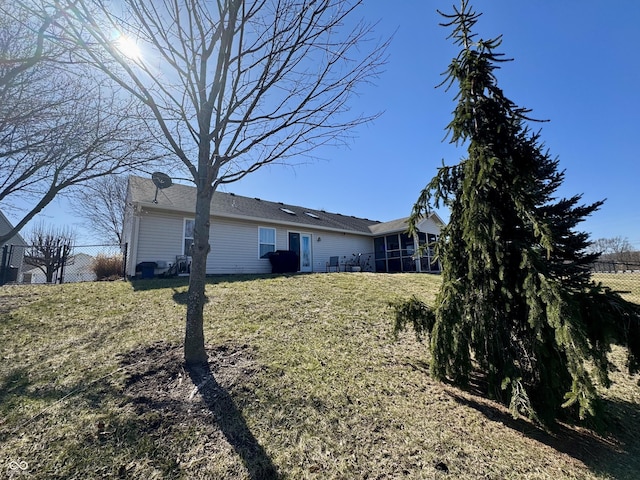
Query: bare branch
x,y
49,249
60,124
233,85
101,203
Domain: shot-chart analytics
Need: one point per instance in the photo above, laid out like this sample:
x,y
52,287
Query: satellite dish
x,y
160,180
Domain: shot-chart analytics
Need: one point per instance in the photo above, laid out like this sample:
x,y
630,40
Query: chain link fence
x,y
621,276
61,263
615,266
88,263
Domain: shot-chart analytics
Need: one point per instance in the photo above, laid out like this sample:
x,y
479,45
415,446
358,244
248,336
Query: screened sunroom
x,y
401,252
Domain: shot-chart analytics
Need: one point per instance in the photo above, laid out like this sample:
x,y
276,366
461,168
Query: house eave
x,y
299,226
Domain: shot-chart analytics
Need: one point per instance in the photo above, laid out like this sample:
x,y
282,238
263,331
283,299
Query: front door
x,y
306,264
301,244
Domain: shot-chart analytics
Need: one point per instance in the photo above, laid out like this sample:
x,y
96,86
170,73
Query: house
x,y
77,268
11,253
245,231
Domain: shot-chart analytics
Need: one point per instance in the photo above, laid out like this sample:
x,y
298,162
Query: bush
x,y
108,267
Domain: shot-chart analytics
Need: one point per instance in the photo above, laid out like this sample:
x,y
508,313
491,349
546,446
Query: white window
x,y
189,223
266,241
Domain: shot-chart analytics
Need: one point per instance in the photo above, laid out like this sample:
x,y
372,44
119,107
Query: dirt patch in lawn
x,y
159,371
167,393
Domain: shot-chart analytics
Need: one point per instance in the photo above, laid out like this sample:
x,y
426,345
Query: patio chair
x,y
334,262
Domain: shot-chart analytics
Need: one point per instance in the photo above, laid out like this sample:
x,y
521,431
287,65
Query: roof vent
x,y
286,210
257,199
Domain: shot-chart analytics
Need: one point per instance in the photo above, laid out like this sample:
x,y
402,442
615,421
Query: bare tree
x,y
615,253
49,250
60,124
234,85
101,203
613,245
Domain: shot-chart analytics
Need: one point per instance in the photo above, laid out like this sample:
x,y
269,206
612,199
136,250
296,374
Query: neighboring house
x,y
244,231
12,257
76,269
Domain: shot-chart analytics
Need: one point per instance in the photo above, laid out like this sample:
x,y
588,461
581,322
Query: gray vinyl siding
x,y
234,246
429,226
155,229
15,245
160,237
234,243
5,227
336,244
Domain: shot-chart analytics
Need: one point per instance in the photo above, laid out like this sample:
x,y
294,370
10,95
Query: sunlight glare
x,y
128,47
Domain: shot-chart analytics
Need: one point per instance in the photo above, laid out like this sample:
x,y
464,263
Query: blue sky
x,y
575,64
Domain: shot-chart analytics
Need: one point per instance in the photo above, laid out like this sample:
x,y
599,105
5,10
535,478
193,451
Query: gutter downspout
x,y
133,242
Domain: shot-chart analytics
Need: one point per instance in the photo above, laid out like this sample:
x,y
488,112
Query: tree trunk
x,y
194,351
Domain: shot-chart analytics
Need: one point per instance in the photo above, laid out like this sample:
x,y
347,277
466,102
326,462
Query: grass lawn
x,y
305,382
628,284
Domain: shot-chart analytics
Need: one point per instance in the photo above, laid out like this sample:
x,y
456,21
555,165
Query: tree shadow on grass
x,y
232,424
614,452
159,386
182,297
158,414
14,384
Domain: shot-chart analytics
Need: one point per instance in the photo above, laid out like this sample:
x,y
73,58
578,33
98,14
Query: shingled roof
x,y
182,198
393,226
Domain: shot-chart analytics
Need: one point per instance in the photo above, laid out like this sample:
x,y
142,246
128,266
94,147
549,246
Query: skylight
x,y
286,210
312,215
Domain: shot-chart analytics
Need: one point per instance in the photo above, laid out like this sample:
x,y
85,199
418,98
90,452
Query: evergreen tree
x,y
517,299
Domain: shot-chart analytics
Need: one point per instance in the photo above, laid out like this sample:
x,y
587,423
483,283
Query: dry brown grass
x,y
108,267
627,283
304,380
